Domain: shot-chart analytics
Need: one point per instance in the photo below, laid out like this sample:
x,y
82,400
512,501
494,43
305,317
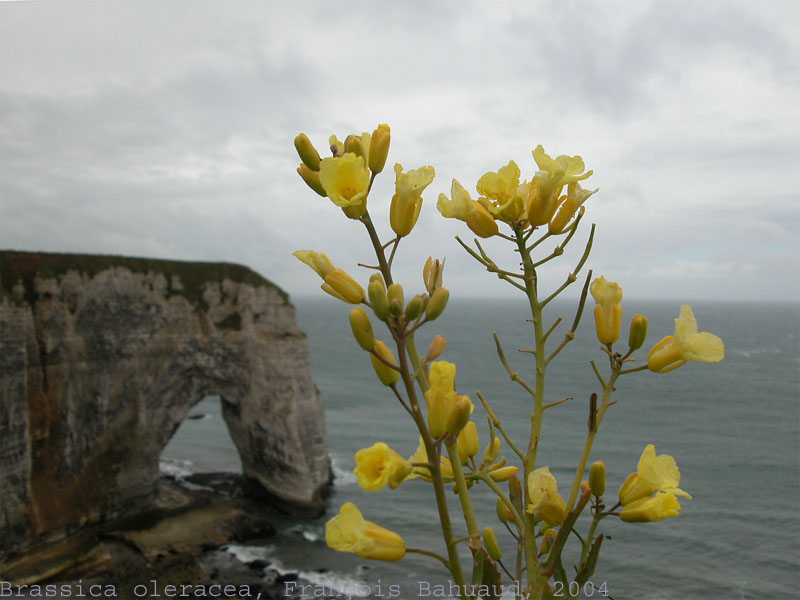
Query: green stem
x,y
608,388
463,493
499,426
487,479
379,251
454,561
442,559
531,551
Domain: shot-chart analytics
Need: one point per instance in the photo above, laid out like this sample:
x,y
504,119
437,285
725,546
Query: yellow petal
x,y
316,260
461,206
605,292
378,466
704,347
350,532
345,179
644,510
685,324
500,185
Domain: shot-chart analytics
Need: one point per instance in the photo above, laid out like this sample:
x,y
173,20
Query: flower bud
x,y
403,213
437,303
340,285
597,478
492,451
607,320
468,445
547,540
337,147
308,154
638,332
481,222
378,299
379,148
385,373
395,292
503,512
362,328
459,415
432,274
396,307
490,541
312,179
438,411
503,474
608,312
353,143
415,307
436,348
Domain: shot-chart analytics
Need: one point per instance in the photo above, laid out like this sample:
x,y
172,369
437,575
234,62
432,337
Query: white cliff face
x,y
101,360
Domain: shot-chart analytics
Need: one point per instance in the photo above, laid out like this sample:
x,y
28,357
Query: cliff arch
x,y
102,358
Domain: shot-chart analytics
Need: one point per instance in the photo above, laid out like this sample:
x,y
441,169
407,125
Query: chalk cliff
x,y
102,358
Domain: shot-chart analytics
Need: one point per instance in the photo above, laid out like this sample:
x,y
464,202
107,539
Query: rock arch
x,y
102,358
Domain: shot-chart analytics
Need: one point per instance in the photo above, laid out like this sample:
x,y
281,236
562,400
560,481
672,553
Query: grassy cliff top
x,y
25,267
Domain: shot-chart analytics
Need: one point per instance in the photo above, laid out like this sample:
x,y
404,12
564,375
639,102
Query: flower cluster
x,y
528,503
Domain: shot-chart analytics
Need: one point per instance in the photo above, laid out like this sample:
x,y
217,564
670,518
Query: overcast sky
x,y
164,129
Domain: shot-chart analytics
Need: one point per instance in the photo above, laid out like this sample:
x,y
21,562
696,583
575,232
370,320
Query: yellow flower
x,y
407,200
337,282
441,397
647,510
576,196
421,457
546,186
464,208
608,312
346,181
499,193
687,344
544,497
653,474
379,465
350,532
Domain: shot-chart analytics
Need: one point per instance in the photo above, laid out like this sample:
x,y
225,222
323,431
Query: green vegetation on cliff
x,y
24,267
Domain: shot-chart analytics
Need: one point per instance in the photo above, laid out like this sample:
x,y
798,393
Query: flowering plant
x,y
548,207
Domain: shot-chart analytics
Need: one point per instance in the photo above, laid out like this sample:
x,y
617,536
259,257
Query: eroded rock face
x,y
102,358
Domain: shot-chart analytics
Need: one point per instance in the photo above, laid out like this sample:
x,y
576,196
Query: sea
x,y
733,428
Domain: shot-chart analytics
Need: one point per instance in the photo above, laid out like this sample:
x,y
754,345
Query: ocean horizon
x,y
733,428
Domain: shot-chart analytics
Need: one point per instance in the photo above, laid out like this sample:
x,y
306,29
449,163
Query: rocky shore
x,y
175,549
